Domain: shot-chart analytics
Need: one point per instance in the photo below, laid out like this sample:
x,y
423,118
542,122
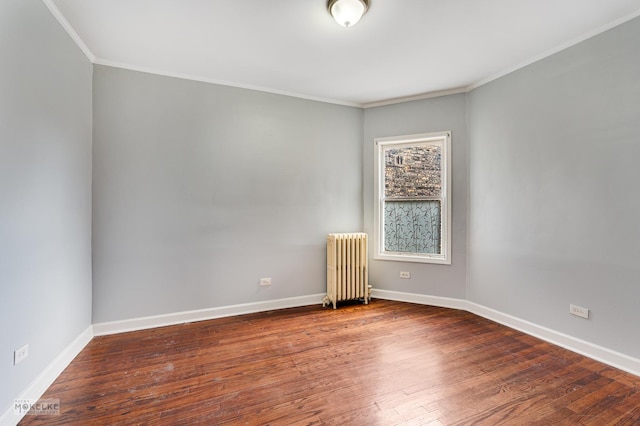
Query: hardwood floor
x,y
387,363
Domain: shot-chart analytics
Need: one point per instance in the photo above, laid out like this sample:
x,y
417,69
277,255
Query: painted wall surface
x,y
200,190
425,116
554,205
45,192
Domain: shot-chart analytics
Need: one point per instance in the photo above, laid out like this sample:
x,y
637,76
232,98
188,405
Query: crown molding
x,y
69,29
421,96
184,76
428,95
555,50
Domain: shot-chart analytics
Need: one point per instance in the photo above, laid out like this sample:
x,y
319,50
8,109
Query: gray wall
x,y
45,192
200,190
554,209
430,115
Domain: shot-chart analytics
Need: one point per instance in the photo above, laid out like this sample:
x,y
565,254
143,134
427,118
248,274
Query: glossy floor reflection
x,y
387,363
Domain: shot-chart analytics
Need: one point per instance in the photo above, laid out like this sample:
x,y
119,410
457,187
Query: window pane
x,y
413,171
412,226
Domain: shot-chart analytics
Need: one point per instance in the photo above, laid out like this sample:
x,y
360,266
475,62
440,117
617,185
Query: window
x,y
413,198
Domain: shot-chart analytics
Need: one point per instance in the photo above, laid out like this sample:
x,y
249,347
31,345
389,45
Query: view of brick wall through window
x,y
413,186
413,172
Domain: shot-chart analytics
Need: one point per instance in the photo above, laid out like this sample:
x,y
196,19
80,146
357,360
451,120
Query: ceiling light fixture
x,y
347,12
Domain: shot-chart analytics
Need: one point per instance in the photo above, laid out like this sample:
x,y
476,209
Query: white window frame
x,y
444,139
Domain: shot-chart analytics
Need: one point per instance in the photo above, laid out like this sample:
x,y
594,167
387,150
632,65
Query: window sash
x,y
412,226
383,250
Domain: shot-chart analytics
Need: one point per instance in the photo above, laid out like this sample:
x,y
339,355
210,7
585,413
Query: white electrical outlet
x,y
20,354
265,281
405,274
579,311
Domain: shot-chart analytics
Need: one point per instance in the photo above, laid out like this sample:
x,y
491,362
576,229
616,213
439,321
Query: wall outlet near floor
x,y
579,311
265,281
20,354
405,274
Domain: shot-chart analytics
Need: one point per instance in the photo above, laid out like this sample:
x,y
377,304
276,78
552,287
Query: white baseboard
x,y
422,299
591,350
49,375
134,324
596,352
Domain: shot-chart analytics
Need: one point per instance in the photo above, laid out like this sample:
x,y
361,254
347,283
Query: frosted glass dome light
x,y
347,12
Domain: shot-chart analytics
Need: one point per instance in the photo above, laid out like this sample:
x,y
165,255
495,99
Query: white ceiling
x,y
400,48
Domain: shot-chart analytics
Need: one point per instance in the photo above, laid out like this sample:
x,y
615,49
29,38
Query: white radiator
x,y
347,268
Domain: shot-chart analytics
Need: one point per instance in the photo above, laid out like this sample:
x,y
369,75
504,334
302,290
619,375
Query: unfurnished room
x,y
319,212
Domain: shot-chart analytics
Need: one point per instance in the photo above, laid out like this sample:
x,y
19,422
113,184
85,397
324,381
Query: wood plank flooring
x,y
387,363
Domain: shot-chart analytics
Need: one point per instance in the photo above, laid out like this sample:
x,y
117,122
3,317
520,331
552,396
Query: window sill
x,y
438,260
